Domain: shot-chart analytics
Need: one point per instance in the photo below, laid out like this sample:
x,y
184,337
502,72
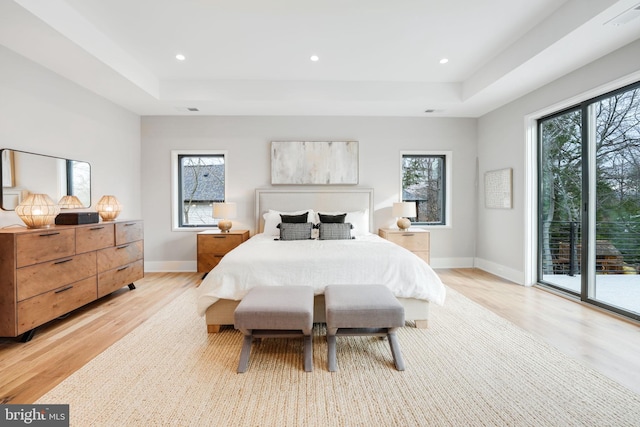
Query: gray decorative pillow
x,y
332,218
295,230
335,231
295,218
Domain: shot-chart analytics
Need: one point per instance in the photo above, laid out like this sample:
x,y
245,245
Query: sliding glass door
x,y
589,201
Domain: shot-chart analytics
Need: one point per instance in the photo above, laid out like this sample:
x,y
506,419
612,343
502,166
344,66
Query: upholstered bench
x,y
362,310
276,312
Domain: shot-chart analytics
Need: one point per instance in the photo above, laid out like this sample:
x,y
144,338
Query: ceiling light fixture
x,y
314,58
444,60
180,57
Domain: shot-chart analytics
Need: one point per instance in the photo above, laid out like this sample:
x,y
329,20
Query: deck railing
x,y
617,247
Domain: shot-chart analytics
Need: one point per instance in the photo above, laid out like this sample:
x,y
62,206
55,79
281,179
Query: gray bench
x,y
362,310
276,312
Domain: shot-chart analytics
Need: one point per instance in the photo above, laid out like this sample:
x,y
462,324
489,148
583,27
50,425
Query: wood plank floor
x,y
598,339
29,370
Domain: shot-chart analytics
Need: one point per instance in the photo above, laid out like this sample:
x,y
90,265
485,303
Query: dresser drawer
x,y
42,308
94,237
218,244
127,232
113,280
111,258
45,245
46,276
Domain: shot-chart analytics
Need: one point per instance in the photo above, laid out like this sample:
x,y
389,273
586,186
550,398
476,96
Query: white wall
x,y
44,113
503,245
247,141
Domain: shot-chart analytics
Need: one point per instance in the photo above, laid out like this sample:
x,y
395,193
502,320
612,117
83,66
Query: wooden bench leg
x,y
244,354
395,350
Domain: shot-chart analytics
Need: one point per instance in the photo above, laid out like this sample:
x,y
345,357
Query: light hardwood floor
x,y
29,370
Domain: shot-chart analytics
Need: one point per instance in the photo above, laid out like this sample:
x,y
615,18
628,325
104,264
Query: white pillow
x,y
359,220
272,219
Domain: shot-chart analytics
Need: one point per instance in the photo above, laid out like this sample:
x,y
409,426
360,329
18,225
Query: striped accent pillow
x,y
295,230
335,231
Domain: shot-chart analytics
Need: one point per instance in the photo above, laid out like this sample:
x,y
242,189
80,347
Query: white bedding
x,y
368,259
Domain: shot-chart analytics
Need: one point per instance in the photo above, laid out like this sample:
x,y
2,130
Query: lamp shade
x,y
70,202
108,208
404,209
224,212
37,211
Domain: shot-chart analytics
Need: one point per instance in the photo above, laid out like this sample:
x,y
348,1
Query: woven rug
x,y
470,368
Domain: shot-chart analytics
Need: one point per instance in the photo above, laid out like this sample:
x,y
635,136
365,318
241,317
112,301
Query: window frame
x,y
448,184
176,206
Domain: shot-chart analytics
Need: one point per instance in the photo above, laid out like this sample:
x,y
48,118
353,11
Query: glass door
x,y
589,201
615,182
560,200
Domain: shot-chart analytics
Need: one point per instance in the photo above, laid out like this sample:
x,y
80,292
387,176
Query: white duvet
x,y
369,259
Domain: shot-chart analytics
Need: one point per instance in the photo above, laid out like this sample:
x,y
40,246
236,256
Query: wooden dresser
x,y
45,273
416,240
214,244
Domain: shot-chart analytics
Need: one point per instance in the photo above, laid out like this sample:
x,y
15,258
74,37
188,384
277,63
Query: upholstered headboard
x,y
327,200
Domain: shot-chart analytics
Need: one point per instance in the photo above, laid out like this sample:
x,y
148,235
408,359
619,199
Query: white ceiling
x,y
251,57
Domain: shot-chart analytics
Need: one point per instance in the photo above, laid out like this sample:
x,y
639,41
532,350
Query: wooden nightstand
x,y
416,240
214,244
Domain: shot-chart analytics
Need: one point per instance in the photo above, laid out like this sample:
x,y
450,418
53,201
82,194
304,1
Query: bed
x,y
366,258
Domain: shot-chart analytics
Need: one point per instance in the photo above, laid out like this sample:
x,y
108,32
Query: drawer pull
x,y
219,237
123,268
122,247
97,228
408,234
63,261
50,234
59,291
129,224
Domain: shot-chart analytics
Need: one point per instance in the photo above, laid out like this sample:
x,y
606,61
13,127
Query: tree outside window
x,y
201,180
424,182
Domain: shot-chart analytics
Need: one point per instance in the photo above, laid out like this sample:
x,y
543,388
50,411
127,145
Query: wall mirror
x,y
24,173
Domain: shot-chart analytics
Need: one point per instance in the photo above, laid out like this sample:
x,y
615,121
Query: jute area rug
x,y
470,368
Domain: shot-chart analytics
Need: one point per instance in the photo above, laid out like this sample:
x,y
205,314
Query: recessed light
x,y
314,58
180,57
444,60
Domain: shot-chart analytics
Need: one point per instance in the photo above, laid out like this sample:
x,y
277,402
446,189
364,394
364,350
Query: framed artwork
x,y
314,162
497,189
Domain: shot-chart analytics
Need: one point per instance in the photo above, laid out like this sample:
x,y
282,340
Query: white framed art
x,y
497,189
314,162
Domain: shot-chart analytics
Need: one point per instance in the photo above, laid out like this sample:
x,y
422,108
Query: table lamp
x,y
403,211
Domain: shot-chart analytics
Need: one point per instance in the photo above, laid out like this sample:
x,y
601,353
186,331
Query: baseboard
x,y
452,262
500,270
192,266
170,266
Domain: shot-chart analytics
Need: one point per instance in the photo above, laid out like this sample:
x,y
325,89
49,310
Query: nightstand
x,y
214,244
417,241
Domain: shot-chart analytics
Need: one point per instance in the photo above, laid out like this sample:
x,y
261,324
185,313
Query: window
x,y
198,181
425,182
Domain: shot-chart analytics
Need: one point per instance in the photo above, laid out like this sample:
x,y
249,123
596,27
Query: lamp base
x,y
224,225
403,223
